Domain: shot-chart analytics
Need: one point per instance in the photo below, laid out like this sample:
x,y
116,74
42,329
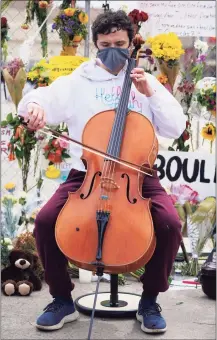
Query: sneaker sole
x,y
148,330
69,318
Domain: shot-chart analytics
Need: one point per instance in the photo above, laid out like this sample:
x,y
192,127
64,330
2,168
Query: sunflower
x,y
83,17
209,132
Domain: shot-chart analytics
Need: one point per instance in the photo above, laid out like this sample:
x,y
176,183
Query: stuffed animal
x,y
19,278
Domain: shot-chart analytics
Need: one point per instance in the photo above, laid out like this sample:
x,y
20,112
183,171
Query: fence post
x,y
87,40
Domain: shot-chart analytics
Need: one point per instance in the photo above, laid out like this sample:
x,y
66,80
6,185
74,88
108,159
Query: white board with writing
x,y
185,18
191,168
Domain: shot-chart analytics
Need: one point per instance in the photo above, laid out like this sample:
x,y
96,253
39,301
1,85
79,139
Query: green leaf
x,y
19,153
9,118
175,142
186,148
4,123
194,69
46,153
65,155
170,148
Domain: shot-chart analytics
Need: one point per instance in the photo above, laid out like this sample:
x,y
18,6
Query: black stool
x,y
110,304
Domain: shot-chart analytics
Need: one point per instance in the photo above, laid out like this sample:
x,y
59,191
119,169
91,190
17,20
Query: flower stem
x,y
211,147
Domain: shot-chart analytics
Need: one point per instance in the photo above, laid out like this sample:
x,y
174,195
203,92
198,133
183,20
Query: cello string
x,y
110,169
120,118
108,166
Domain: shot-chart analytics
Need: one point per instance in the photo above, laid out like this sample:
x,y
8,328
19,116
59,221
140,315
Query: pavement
x,y
188,312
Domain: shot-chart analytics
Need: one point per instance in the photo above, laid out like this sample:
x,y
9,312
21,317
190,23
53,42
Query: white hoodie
x,y
90,89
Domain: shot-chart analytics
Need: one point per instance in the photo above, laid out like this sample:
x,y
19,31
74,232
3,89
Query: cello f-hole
x,y
82,196
128,189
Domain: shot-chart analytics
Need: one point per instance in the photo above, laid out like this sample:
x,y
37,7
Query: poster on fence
x,y
185,18
194,169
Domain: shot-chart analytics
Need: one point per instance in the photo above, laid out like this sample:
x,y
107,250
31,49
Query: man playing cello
x,y
93,87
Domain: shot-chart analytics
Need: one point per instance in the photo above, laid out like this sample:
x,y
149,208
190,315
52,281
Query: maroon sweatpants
x,y
157,270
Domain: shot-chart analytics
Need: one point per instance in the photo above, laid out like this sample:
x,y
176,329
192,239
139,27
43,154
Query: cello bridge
x,y
108,183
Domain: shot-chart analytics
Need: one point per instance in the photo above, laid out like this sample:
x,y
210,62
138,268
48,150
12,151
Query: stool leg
x,y
114,290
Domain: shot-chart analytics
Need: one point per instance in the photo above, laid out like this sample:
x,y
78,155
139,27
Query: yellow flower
x,y
209,132
32,75
69,11
214,88
10,186
166,46
52,172
162,78
83,17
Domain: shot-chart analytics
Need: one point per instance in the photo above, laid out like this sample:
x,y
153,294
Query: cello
x,y
106,225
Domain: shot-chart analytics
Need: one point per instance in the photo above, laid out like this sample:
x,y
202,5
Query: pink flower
x,y
63,143
184,193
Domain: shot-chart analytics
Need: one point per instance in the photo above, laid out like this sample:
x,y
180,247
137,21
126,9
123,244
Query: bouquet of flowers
x,y
15,78
167,48
39,74
10,212
137,18
185,200
71,26
206,95
38,8
21,145
200,226
56,148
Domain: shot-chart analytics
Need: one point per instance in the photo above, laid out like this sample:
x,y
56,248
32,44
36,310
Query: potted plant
x,y
70,24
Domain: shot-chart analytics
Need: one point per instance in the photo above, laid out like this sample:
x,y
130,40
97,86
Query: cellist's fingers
x,y
36,116
138,77
138,70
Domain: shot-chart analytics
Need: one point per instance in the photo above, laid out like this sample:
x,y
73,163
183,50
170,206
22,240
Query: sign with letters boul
x,y
194,169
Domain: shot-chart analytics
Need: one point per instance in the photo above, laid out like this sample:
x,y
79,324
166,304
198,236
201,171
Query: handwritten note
x,y
62,66
185,18
6,134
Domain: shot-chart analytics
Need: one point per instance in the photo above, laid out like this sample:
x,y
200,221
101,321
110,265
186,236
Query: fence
x,y
16,14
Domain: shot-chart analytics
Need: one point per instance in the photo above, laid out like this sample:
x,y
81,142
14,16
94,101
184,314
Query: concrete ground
x,y
188,312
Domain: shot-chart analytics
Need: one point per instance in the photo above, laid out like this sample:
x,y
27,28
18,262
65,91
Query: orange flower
x,y
69,11
83,17
19,132
162,78
43,4
11,156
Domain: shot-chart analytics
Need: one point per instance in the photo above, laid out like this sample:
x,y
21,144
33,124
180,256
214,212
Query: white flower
x,y
10,247
201,46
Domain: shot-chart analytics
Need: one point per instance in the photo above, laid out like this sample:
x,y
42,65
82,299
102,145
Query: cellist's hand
x,y
36,117
140,81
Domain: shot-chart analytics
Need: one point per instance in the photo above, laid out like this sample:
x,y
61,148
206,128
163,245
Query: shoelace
x,y
154,309
53,306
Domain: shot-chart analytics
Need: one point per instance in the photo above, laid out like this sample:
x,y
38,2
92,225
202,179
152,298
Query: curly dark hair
x,y
104,23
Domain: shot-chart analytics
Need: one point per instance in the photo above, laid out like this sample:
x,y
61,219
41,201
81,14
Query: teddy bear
x,y
19,278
